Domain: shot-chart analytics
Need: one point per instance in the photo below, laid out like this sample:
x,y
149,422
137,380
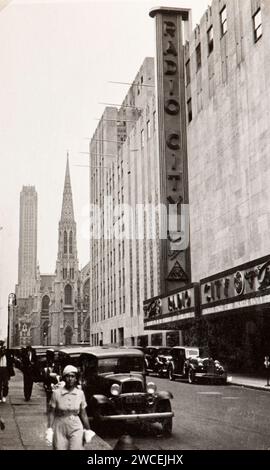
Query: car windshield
x,y
118,365
192,352
164,351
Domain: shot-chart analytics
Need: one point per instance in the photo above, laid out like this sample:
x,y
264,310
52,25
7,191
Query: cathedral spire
x,y
67,213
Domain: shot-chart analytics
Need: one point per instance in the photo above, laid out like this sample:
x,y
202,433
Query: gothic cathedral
x,y
56,309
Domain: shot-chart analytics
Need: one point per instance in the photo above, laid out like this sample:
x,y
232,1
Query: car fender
x,y
100,399
164,395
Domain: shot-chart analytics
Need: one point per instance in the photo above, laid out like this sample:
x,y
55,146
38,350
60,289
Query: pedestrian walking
x,y
6,371
2,424
28,368
50,375
68,425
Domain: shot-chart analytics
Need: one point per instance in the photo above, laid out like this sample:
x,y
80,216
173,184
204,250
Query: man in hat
x,y
28,368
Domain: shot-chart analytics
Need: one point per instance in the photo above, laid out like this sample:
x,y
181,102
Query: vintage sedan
x,y
156,359
114,382
186,362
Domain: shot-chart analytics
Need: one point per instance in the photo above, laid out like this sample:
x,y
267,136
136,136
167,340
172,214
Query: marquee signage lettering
x,y
241,282
179,301
175,303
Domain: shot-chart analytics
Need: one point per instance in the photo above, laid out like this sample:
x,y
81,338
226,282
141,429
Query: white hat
x,y
70,370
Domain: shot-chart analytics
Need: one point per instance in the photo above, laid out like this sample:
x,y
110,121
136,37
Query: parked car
x,y
156,359
164,356
186,362
114,382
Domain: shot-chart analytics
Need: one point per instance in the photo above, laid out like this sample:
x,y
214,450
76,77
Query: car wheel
x,y
191,376
171,374
166,423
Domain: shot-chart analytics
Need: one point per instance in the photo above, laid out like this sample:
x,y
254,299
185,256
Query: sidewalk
x,y
26,422
249,381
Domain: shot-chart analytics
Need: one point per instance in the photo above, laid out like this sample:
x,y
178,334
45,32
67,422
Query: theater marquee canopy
x,y
174,311
246,286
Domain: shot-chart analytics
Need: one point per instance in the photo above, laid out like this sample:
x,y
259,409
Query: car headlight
x,y
115,390
151,388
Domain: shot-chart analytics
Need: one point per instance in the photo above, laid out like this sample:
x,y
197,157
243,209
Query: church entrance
x,y
44,333
68,335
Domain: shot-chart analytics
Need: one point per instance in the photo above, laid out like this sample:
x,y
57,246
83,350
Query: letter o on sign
x,y
172,107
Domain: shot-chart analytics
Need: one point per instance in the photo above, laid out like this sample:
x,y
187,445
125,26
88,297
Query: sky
x,y
57,59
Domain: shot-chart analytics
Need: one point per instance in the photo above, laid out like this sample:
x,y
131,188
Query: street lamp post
x,y
12,302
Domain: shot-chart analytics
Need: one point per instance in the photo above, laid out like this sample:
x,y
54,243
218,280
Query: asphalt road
x,y
207,417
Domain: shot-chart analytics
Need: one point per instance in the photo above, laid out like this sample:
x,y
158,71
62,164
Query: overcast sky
x,y
56,61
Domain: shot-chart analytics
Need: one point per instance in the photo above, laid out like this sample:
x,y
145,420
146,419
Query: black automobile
x,y
156,359
114,382
187,363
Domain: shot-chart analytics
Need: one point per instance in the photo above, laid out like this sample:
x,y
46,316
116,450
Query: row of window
x,y
257,31
66,242
71,273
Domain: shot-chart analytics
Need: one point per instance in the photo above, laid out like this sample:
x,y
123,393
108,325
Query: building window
x,y
189,110
210,39
188,73
68,295
70,243
257,25
198,57
148,130
154,121
142,138
223,21
65,241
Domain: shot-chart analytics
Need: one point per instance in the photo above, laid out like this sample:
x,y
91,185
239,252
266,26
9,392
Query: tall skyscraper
x,y
27,242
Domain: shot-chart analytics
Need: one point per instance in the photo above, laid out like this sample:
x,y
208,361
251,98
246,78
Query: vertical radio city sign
x,y
172,145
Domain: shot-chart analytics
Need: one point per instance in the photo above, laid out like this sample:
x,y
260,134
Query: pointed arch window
x,y
65,241
70,241
68,294
45,303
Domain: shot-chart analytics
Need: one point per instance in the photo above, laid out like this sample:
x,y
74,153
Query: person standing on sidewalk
x,y
28,369
68,424
6,371
50,376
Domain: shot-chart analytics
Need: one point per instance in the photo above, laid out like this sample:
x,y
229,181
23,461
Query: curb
x,y
264,388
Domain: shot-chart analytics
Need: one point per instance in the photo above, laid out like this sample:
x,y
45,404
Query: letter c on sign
x,y
172,141
172,107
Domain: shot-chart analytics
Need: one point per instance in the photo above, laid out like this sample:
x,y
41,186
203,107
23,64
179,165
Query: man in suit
x,y
28,369
6,371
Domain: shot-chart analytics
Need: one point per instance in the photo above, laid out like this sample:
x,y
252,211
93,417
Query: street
x,y
207,417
